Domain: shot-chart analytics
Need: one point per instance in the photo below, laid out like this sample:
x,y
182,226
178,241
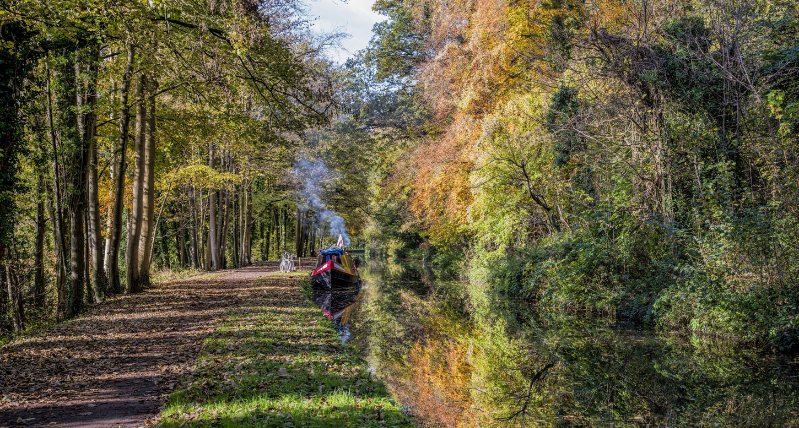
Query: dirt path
x,y
115,366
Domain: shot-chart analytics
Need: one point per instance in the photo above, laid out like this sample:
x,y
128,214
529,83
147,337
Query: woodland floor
x,y
116,365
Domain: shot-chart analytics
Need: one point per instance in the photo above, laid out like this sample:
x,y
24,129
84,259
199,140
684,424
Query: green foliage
x,y
397,46
565,105
18,55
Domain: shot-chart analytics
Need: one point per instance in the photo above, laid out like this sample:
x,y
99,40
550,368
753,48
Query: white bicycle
x,y
287,263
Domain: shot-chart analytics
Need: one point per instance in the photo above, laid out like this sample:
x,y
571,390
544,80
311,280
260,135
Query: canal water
x,y
454,357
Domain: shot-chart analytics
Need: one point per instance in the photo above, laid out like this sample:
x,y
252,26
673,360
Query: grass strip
x,y
276,361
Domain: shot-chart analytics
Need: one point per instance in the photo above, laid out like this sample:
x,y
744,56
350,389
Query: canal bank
x,y
277,361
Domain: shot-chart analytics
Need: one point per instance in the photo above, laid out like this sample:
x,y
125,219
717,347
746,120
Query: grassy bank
x,y
277,361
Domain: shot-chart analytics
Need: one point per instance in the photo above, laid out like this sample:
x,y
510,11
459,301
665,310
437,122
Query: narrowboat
x,y
335,270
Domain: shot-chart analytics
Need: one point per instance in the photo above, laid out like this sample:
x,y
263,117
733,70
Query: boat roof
x,y
333,250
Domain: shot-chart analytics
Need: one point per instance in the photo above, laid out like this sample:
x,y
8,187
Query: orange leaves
x,y
482,54
441,378
438,172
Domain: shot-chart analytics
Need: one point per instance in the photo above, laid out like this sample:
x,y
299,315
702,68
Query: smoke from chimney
x,y
312,174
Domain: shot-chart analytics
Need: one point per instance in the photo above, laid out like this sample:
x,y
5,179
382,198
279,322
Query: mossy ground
x,y
277,361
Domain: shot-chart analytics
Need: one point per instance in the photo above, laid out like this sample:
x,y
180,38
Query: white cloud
x,y
354,17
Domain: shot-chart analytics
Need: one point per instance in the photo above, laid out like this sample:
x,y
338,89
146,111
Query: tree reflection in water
x,y
455,356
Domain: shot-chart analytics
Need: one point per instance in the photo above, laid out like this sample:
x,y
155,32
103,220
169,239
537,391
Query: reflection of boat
x,y
334,270
337,305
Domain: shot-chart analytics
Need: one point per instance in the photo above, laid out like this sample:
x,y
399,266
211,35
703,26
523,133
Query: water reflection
x,y
337,305
455,356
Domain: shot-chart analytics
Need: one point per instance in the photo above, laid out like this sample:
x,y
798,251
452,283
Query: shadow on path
x,y
114,366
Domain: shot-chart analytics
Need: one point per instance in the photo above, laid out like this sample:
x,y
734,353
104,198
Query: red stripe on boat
x,y
323,268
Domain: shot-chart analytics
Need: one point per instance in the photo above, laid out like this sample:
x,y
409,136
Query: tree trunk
x,y
225,223
60,253
165,257
88,294
3,287
272,233
109,223
264,241
204,233
298,234
57,211
195,249
115,235
181,243
14,292
41,222
213,237
236,229
77,159
311,238
246,235
134,229
284,226
89,125
148,187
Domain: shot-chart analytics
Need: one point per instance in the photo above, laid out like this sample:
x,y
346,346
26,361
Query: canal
x,y
455,357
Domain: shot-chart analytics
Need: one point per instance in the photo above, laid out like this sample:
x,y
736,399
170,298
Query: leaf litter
x,y
116,364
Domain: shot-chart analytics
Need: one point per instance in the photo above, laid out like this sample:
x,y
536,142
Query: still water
x,y
455,357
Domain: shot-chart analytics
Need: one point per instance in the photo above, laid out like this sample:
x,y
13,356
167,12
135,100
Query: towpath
x,y
114,366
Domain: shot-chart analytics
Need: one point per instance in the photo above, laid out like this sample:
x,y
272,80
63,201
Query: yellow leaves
x,y
201,176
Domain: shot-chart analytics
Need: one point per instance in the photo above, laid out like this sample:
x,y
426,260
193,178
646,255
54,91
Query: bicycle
x,y
287,263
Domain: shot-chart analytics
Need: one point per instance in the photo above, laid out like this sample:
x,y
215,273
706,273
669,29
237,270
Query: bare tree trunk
x,y
222,216
264,241
298,234
14,292
312,240
203,232
223,239
195,249
41,222
3,287
236,232
246,234
115,235
273,232
134,229
213,237
181,243
77,159
109,222
284,220
58,245
88,295
57,211
148,187
76,205
89,125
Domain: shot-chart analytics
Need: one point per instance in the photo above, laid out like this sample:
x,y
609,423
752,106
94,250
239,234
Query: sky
x,y
353,16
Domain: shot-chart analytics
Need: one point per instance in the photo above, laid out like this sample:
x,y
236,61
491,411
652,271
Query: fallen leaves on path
x,y
115,365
